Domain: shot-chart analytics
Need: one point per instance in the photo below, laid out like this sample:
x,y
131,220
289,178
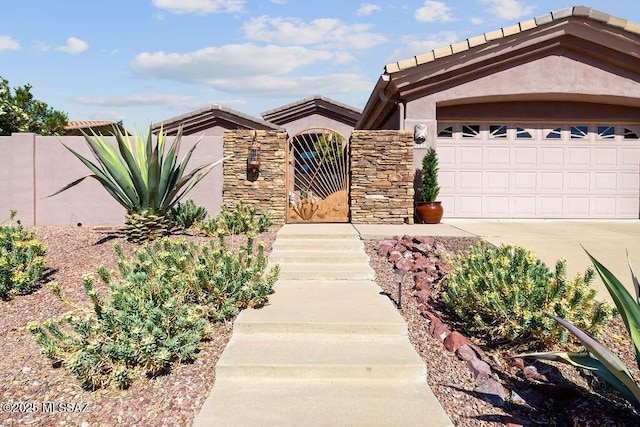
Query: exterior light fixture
x,y
400,275
253,156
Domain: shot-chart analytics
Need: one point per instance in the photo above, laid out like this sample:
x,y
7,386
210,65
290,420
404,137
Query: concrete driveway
x,y
608,241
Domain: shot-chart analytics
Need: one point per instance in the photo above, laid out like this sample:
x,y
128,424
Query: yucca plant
x,y
598,358
144,176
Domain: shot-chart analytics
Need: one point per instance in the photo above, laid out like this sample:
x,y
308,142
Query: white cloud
x,y
477,21
136,100
73,46
324,32
7,43
433,11
202,7
412,46
291,86
243,61
508,9
367,9
279,1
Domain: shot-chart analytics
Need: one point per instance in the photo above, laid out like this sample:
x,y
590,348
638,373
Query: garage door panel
x,y
447,180
496,181
550,156
470,156
605,157
495,205
470,205
524,181
497,156
605,181
578,181
550,207
629,157
470,180
525,156
603,207
551,181
446,156
577,207
523,206
629,181
580,156
628,207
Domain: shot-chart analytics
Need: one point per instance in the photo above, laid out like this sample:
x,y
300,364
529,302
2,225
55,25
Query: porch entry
x,y
318,176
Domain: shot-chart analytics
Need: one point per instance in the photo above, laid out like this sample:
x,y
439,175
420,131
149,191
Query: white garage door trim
x,y
511,170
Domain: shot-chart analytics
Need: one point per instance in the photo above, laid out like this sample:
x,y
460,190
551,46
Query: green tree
x,y
20,112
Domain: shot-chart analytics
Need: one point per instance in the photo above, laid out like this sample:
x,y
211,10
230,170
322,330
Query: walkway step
x,y
317,256
321,403
303,306
323,244
316,271
306,356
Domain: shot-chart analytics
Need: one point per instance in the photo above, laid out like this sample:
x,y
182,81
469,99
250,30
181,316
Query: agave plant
x,y
598,358
143,176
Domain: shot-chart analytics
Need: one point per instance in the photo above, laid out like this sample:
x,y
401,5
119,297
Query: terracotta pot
x,y
429,212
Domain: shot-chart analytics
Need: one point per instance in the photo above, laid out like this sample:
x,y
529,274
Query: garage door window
x,y
579,132
553,134
446,132
522,133
471,131
631,133
606,132
497,131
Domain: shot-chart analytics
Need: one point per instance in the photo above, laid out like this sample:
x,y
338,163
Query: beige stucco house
x,y
540,119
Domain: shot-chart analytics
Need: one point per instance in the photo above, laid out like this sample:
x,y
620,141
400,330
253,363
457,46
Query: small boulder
x,y
480,369
395,255
455,340
423,296
466,352
404,264
492,391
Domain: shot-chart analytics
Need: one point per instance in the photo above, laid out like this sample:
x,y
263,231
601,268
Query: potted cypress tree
x,y
429,211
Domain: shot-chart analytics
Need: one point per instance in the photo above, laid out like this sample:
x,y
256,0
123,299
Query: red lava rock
x,y
404,264
421,263
513,425
465,352
492,391
516,362
439,330
480,369
423,296
423,309
395,255
532,374
428,240
455,340
408,255
423,285
384,248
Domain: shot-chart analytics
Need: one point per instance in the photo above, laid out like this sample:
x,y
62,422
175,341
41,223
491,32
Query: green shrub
x,y
158,310
242,219
187,214
505,291
22,259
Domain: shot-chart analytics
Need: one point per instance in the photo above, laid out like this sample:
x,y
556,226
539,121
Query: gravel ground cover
x,y
33,392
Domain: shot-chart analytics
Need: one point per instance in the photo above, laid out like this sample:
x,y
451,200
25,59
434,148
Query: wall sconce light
x,y
253,156
419,133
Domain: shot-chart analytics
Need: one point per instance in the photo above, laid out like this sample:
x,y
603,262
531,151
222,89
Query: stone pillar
x,y
382,176
264,189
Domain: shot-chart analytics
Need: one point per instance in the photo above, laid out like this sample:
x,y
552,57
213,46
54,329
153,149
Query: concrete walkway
x,y
328,350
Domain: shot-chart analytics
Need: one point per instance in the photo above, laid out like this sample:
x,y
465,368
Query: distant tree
x,y
20,112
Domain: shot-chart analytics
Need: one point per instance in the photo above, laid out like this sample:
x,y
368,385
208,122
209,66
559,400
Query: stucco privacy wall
x,y
382,175
35,166
266,188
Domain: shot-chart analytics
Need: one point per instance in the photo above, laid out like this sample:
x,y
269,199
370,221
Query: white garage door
x,y
539,171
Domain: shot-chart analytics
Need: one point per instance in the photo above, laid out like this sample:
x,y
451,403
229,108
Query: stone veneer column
x,y
382,176
266,189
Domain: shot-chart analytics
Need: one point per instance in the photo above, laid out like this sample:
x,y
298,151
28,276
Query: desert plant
x,y
243,218
187,214
22,258
157,312
598,358
430,188
144,177
504,291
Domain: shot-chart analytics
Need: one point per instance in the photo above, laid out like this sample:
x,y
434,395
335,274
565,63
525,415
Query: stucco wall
x,y
265,189
36,166
317,121
382,177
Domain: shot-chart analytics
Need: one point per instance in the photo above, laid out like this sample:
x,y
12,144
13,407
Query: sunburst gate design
x,y
318,177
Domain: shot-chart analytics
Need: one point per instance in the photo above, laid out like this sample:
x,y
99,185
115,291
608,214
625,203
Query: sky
x,y
145,61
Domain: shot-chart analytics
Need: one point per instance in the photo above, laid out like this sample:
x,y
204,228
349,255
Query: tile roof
x,y
84,124
577,11
310,99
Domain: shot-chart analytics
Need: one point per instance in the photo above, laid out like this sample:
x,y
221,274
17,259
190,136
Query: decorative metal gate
x,y
318,176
